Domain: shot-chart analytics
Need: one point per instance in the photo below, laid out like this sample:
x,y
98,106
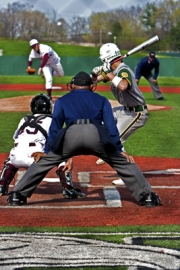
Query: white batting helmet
x,y
33,42
109,52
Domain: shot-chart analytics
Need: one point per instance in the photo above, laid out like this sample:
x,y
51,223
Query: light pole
x,y
100,36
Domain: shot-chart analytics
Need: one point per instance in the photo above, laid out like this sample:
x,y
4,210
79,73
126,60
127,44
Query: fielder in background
x,y
132,112
144,68
30,137
83,112
50,63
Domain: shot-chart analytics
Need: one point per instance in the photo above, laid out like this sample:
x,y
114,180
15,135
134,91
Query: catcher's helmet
x,y
109,52
41,104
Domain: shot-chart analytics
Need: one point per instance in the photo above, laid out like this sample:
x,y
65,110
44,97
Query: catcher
x,y
30,137
50,63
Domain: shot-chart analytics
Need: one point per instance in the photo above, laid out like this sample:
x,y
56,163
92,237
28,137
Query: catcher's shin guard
x,y
67,184
7,176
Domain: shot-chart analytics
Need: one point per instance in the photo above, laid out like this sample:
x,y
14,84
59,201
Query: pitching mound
x,y
21,104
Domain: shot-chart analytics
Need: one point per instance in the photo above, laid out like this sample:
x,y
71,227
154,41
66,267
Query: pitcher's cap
x,y
33,42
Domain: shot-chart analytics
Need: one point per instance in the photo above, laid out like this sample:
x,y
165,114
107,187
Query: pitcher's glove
x,y
30,71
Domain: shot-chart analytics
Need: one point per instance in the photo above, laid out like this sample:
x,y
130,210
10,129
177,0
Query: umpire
x,y
83,112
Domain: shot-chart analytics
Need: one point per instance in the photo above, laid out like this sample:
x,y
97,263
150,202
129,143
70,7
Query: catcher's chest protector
x,y
32,121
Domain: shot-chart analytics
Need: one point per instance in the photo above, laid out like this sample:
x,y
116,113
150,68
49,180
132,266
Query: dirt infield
x,y
48,208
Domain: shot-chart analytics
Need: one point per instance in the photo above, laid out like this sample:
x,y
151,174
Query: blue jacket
x,y
82,104
144,68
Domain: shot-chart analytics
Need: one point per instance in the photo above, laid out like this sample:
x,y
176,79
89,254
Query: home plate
x,y
56,87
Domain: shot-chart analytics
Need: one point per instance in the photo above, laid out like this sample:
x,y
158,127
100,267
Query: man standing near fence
x,y
144,68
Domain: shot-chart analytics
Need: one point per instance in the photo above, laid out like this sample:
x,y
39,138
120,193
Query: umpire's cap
x,y
152,55
82,79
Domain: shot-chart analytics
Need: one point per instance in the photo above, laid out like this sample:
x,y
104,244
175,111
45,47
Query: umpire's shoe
x,y
150,200
72,193
16,199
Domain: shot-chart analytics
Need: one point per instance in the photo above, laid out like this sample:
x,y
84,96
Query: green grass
x,y
159,137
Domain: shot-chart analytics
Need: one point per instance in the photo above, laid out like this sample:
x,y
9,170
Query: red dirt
x,y
37,87
50,194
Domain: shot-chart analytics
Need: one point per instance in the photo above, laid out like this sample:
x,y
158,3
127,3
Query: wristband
x,y
116,81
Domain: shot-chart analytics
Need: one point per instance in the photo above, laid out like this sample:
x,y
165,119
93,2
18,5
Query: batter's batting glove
x,y
105,70
96,71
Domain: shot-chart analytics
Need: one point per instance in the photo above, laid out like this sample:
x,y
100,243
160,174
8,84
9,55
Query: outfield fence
x,y
16,65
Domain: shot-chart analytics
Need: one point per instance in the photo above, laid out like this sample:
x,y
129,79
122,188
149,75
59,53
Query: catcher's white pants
x,y
52,70
20,156
128,121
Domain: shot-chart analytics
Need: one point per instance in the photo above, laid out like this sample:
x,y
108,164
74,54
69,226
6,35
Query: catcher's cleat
x,y
16,199
150,200
72,193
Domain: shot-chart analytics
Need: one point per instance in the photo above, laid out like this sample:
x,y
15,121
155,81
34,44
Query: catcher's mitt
x,y
30,71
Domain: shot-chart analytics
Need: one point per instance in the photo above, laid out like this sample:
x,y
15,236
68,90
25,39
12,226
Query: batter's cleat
x,y
161,98
16,199
150,200
100,161
72,193
118,182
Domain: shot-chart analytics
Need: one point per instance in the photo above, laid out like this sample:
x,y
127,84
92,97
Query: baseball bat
x,y
142,46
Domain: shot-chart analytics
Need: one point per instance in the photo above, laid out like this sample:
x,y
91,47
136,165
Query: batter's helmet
x,y
41,104
109,52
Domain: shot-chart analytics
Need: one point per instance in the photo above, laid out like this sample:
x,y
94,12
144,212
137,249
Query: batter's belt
x,y
139,108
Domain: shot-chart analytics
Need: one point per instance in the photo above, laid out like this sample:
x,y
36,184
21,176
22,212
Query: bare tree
x,y
78,28
9,19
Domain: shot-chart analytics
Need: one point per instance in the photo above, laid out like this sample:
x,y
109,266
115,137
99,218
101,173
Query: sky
x,y
68,8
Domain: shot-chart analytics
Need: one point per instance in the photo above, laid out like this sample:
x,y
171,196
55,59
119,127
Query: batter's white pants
x,y
52,70
128,121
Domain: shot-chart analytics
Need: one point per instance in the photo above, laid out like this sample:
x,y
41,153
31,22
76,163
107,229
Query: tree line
x,y
127,27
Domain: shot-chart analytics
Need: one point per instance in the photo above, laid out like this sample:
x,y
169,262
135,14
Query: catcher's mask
x,y
81,79
109,52
41,104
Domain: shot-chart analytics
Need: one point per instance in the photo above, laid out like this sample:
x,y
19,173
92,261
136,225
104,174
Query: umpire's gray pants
x,y
84,140
155,87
